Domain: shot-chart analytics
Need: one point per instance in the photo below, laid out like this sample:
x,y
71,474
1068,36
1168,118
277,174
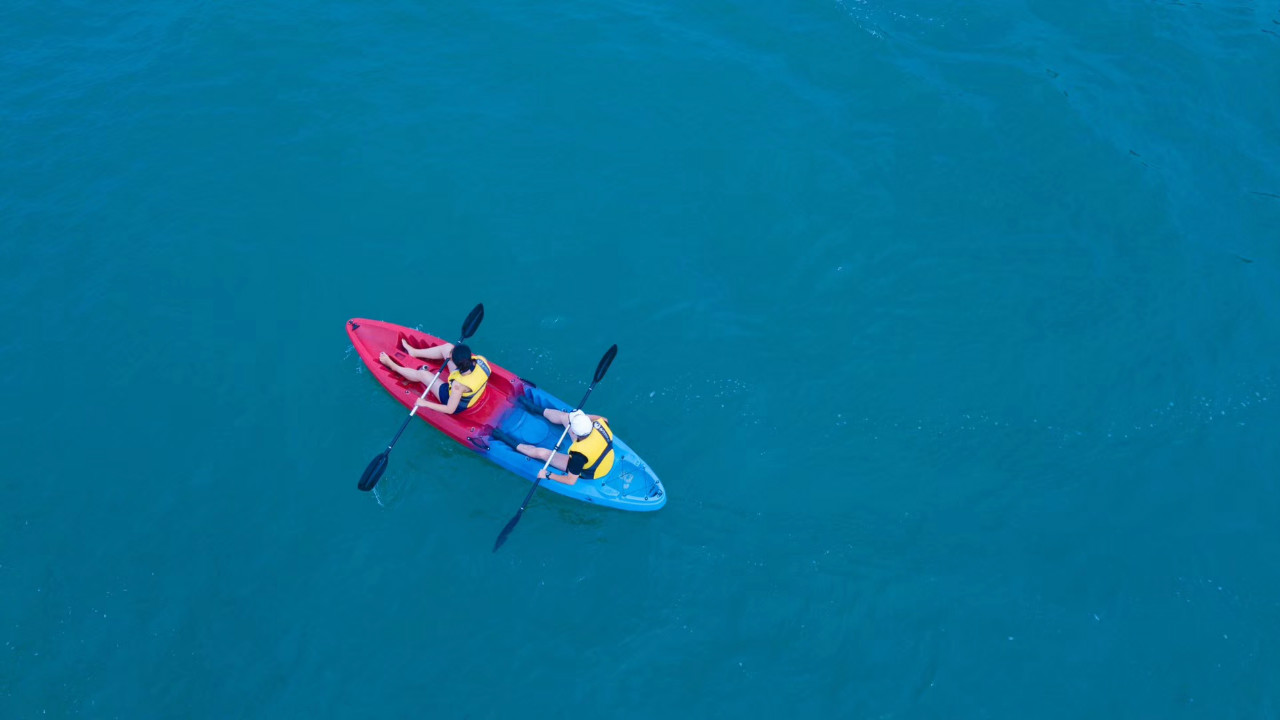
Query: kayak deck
x,y
630,484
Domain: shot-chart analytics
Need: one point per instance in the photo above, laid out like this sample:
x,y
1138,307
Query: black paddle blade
x,y
472,323
373,473
605,362
511,524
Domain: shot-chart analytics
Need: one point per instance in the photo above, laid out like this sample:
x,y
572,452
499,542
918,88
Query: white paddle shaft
x,y
423,396
554,450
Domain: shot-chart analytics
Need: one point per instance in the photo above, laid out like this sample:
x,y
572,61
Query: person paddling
x,y
466,383
590,456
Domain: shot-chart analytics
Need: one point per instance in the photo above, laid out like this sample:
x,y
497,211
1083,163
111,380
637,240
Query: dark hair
x,y
461,357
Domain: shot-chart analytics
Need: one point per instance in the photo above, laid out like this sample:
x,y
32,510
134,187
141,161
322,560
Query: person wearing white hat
x,y
590,456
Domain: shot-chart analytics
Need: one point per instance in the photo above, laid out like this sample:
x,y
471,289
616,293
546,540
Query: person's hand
x,y
543,474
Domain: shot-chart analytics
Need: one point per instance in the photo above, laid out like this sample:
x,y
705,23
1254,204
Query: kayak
x,y
630,484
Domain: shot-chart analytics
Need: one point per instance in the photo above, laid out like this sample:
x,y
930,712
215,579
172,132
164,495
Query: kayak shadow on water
x,y
396,487
575,515
433,462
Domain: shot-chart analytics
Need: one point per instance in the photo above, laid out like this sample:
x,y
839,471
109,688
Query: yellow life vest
x,y
598,449
475,382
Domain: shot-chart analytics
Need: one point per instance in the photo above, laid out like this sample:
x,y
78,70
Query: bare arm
x,y
424,403
455,396
567,478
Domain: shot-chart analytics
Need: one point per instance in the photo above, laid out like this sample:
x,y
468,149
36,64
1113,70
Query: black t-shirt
x,y
577,461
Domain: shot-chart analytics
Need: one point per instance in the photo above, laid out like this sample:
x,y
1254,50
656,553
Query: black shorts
x,y
443,392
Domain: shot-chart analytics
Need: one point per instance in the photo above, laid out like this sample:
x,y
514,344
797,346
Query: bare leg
x,y
437,352
560,462
422,376
556,417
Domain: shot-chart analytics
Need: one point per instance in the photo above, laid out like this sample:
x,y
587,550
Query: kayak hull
x,y
630,484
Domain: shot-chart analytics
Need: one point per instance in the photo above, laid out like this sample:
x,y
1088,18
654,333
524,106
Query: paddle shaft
x,y
601,369
378,465
414,410
538,480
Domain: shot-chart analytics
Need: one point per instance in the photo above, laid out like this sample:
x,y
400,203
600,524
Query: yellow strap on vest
x,y
598,449
475,381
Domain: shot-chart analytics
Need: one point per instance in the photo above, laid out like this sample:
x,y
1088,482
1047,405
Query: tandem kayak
x,y
630,485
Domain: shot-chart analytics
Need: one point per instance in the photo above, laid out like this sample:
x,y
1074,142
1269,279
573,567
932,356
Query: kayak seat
x,y
501,436
413,342
529,405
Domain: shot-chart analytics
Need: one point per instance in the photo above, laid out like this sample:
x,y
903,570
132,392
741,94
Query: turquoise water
x,y
952,331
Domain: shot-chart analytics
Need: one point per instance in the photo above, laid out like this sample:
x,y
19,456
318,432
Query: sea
x,y
952,329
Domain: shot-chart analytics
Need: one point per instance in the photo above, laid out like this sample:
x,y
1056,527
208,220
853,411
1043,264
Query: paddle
x,y
378,465
601,369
